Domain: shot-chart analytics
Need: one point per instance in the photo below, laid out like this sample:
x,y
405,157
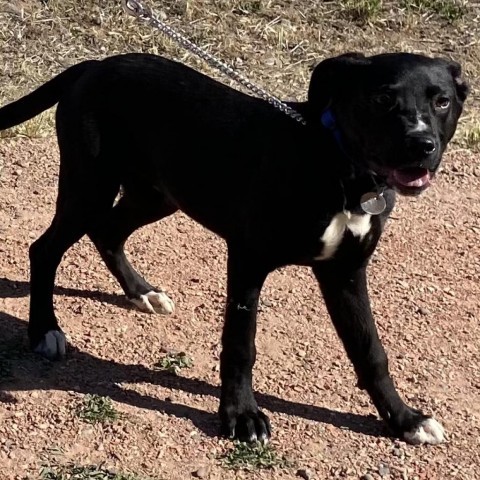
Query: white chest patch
x,y
332,237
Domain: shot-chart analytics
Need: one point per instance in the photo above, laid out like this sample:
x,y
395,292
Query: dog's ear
x,y
455,69
330,76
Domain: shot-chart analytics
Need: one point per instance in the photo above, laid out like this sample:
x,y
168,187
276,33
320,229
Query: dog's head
x,y
394,113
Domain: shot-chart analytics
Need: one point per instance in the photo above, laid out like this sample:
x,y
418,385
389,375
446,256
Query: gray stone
x,y
202,472
383,470
305,474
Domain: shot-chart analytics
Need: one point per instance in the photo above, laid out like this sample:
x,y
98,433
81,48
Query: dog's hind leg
x,y
82,199
46,253
134,210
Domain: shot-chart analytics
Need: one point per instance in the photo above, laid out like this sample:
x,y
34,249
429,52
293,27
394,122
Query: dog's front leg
x,y
346,297
239,414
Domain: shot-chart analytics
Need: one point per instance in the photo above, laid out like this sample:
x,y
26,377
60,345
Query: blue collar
x,y
328,121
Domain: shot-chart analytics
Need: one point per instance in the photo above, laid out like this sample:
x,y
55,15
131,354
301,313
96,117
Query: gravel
x,y
429,258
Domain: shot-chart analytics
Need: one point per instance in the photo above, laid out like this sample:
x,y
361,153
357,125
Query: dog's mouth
x,y
410,181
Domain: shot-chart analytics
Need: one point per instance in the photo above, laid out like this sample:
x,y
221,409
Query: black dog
x,y
277,191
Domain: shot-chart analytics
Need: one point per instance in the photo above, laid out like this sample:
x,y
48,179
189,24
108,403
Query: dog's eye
x,y
442,103
385,100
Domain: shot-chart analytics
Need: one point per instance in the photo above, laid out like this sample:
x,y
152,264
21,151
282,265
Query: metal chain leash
x,y
138,10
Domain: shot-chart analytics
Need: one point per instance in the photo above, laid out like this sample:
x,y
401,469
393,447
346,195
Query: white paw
x,y
429,431
154,302
53,345
263,439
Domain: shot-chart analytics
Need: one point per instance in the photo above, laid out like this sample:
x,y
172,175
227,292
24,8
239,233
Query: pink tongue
x,y
412,177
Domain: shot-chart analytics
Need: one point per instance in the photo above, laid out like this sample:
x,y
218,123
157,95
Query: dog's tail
x,y
41,99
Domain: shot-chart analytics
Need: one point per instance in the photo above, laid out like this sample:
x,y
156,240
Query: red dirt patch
x,y
424,283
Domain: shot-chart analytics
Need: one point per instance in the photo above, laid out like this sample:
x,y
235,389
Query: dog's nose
x,y
422,145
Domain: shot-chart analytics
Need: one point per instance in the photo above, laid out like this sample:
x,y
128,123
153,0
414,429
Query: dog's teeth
x,y
415,183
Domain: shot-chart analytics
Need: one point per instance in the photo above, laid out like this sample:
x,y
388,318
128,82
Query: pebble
x,y
305,474
398,452
367,476
422,311
383,470
202,472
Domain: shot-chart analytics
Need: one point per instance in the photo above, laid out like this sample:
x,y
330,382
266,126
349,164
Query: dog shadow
x,y
19,289
22,370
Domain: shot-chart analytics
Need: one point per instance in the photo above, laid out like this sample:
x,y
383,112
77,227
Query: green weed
x,y
97,409
246,456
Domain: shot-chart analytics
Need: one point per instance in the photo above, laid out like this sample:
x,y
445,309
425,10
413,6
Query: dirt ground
x,y
424,281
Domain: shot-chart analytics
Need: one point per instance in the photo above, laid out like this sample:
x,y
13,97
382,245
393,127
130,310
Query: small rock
x,y
398,452
305,474
367,476
266,303
202,472
422,311
383,470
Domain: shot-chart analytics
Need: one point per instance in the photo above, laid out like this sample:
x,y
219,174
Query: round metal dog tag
x,y
373,203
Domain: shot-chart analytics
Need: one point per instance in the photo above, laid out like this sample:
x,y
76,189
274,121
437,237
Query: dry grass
x,y
450,10
273,42
471,136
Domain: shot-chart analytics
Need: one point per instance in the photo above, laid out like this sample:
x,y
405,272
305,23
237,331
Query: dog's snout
x,y
422,145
